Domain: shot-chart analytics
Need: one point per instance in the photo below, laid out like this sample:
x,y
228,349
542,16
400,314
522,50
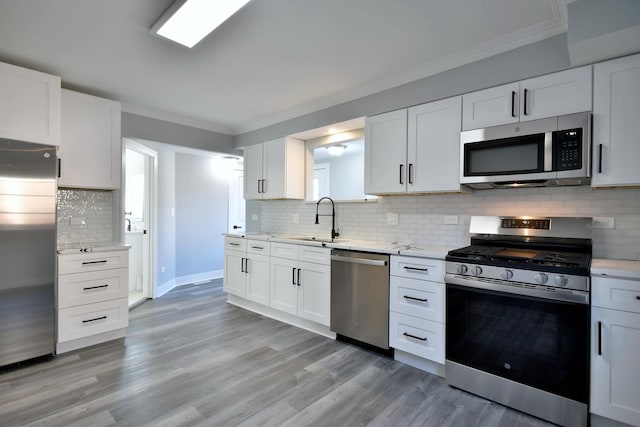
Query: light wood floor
x,y
191,359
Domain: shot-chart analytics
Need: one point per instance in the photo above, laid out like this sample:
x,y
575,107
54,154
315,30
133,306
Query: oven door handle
x,y
561,295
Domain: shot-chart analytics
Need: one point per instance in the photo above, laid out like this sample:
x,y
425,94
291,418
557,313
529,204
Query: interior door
x,y
237,205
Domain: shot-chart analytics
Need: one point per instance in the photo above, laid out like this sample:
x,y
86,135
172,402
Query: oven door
x,y
541,343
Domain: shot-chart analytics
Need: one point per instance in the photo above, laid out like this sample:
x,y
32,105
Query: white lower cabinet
x,y
615,342
93,303
246,269
416,304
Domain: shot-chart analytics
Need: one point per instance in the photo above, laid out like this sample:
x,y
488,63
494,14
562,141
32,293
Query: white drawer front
x,y
314,254
618,294
422,338
92,261
88,288
284,250
258,247
92,319
417,298
417,268
235,244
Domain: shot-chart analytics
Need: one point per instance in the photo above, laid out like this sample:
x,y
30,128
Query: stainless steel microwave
x,y
545,152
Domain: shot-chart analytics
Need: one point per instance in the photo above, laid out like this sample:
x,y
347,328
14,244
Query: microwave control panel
x,y
567,149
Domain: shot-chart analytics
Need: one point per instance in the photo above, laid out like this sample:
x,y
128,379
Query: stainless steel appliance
x,y
518,315
27,250
360,297
545,152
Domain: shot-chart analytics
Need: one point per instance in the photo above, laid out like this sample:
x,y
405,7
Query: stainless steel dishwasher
x,y
360,297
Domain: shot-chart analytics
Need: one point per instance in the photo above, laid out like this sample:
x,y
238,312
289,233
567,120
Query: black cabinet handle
x,y
638,297
298,277
410,173
401,173
242,265
413,336
513,103
526,92
424,270
235,227
246,265
599,338
93,320
415,299
59,167
104,261
257,247
95,287
263,182
233,244
599,158
293,276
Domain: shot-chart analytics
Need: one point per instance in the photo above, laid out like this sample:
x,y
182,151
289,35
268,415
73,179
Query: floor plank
x,y
191,359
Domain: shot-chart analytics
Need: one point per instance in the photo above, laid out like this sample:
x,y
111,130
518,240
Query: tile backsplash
x,y
421,217
85,217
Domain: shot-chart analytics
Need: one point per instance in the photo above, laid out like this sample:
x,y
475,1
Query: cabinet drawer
x,y
235,244
92,319
258,247
284,250
417,298
422,338
87,288
618,294
314,254
92,261
417,268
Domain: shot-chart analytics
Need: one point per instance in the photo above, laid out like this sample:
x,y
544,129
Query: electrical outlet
x,y
392,218
451,219
603,222
162,269
296,218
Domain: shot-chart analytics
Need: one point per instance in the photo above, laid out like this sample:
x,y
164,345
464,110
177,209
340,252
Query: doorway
x,y
139,207
237,207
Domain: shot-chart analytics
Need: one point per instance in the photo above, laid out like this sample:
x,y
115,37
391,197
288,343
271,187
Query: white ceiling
x,y
272,61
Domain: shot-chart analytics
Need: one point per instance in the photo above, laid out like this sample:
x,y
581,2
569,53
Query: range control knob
x,y
476,271
541,278
462,269
506,274
562,280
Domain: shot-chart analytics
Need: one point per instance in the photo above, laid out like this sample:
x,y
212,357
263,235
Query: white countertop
x,y
615,268
391,248
98,247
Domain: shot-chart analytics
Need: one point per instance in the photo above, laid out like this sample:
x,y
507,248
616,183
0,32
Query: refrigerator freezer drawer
x,y
92,319
91,287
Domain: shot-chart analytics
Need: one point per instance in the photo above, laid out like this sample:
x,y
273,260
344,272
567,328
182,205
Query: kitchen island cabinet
x,y
616,129
29,105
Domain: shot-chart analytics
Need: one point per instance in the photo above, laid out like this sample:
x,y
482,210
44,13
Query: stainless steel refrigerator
x,y
27,250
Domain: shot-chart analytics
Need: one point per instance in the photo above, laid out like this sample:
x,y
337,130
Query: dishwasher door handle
x,y
365,261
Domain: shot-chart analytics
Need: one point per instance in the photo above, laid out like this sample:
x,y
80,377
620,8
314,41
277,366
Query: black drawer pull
x,y
96,287
257,247
415,299
414,337
599,338
638,297
234,244
599,158
104,261
93,320
424,270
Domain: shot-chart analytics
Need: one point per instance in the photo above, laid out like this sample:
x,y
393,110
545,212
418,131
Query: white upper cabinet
x,y
91,143
415,150
29,105
274,170
433,155
616,128
556,94
385,153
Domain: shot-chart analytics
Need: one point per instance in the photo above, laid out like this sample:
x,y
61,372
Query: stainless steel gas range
x,y
518,315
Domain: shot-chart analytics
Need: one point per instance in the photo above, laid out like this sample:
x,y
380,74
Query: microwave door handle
x,y
548,151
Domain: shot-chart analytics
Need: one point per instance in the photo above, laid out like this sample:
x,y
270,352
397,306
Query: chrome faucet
x,y
334,233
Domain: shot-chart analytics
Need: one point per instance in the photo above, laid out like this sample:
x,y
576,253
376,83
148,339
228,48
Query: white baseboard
x,y
63,347
420,363
187,280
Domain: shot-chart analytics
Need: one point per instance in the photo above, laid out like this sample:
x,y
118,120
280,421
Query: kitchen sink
x,y
317,239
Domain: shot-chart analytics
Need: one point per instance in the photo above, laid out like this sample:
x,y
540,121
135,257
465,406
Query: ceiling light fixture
x,y
336,150
189,21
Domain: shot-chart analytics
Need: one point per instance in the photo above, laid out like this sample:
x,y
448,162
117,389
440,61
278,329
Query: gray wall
x,y
347,177
592,18
543,57
201,215
166,226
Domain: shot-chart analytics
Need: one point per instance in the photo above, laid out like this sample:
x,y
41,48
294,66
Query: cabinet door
x,y
314,292
283,169
91,147
284,285
234,280
253,172
434,146
615,375
29,105
385,153
490,107
556,94
616,128
258,278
